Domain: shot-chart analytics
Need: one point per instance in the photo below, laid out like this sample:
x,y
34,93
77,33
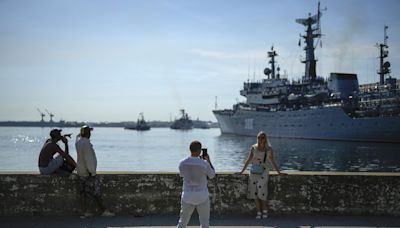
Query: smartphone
x,y
204,153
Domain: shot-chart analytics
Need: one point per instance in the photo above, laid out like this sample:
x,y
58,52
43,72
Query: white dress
x,y
258,183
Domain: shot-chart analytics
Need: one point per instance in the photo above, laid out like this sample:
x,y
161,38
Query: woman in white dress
x,y
259,154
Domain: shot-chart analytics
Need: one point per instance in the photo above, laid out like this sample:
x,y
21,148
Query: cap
x,y
55,133
85,128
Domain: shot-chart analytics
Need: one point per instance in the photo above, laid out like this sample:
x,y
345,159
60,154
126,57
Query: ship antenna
x,y
383,66
319,14
248,68
216,103
254,71
385,35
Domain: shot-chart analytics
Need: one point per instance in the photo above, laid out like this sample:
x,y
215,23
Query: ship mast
x,y
312,32
383,67
272,55
267,71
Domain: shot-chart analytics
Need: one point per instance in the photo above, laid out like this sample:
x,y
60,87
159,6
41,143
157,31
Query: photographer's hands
x,y
207,158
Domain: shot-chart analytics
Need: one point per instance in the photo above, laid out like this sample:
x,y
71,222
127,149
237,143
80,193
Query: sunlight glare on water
x,y
161,149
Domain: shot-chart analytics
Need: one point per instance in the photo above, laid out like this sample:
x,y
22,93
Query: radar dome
x,y
386,65
267,71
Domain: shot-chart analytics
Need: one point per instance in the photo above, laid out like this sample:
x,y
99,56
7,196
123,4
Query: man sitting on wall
x,y
62,163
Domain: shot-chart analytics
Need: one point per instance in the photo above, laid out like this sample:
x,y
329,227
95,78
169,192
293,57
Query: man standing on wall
x,y
86,168
195,171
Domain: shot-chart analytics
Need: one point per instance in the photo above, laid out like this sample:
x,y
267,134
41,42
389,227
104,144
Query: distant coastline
x,y
64,124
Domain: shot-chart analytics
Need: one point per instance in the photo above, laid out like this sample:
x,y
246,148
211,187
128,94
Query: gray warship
x,y
141,124
315,108
183,123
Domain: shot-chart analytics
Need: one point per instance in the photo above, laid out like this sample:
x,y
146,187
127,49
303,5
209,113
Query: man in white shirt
x,y
195,171
86,168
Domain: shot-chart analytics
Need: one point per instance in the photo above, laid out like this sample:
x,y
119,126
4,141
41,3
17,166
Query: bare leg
x,y
264,209
258,204
263,205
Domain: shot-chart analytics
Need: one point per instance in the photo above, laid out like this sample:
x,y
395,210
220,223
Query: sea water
x,y
161,149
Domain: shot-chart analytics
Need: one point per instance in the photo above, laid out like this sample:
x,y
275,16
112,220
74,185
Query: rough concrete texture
x,y
142,194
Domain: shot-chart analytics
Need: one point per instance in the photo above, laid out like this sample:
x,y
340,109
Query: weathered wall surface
x,y
159,193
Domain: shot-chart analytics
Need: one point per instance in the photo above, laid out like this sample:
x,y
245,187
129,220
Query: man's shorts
x,y
90,185
53,165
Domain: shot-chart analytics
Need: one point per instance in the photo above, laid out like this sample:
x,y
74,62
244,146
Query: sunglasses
x,y
261,137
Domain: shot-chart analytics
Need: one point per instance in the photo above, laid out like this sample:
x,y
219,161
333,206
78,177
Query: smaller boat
x,y
183,123
141,124
201,124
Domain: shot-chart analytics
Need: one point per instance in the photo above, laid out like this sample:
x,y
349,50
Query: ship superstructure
x,y
315,108
141,124
183,123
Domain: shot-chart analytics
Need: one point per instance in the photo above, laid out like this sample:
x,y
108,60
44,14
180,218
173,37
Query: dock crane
x,y
42,115
51,115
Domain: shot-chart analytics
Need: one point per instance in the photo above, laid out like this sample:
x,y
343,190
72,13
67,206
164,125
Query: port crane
x,y
51,116
42,115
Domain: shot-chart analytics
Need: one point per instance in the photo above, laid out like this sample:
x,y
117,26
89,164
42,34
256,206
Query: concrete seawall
x,y
159,193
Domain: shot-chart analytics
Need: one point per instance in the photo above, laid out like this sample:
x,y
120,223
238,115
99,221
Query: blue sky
x,y
109,60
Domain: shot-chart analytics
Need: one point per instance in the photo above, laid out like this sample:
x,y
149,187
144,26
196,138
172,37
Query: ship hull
x,y
325,123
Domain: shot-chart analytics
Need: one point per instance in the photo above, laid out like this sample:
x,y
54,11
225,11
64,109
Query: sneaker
x,y
258,215
265,214
86,215
107,213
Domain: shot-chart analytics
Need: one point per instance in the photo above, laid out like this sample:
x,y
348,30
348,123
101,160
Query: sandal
x,y
258,215
265,214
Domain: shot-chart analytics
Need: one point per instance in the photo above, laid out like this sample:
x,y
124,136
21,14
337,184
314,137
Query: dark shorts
x,y
90,185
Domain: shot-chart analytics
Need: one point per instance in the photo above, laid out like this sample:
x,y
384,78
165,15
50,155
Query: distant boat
x,y
141,124
183,123
201,124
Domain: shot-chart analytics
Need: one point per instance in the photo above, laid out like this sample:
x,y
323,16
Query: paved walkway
x,y
216,221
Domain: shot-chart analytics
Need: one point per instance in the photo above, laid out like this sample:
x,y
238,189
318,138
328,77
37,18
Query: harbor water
x,y
161,149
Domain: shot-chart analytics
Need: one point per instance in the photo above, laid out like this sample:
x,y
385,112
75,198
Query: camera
x,y
204,153
67,135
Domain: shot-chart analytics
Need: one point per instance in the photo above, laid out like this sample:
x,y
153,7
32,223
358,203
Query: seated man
x,y
49,164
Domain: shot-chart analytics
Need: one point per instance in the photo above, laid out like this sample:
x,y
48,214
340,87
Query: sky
x,y
103,60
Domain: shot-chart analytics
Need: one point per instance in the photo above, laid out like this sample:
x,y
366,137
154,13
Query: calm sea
x,y
161,149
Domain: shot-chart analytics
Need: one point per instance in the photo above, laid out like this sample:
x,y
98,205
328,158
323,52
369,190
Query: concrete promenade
x,y
300,221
